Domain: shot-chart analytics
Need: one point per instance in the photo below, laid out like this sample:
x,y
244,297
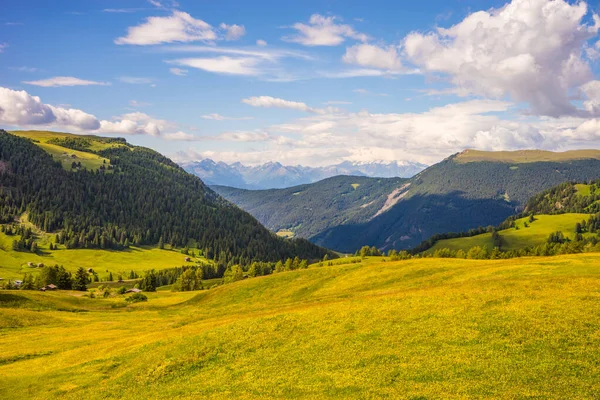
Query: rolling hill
x,y
418,329
465,191
103,193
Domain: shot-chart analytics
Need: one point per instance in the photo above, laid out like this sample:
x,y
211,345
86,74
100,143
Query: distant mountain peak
x,y
274,175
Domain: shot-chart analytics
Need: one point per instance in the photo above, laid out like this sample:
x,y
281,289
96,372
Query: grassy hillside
x,y
419,329
465,191
536,233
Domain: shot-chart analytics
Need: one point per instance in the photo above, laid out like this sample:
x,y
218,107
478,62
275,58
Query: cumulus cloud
x,y
274,102
323,31
58,81
261,42
177,27
3,46
372,56
19,108
530,50
233,32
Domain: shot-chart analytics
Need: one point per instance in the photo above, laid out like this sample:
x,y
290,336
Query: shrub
x,y
137,297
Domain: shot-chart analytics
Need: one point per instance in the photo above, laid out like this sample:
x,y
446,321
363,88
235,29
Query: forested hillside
x,y
465,191
307,210
138,197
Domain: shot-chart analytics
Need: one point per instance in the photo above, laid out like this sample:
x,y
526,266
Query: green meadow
x,y
416,329
535,234
13,264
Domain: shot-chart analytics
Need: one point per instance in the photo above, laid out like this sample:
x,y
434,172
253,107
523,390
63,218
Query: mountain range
x,y
467,190
274,175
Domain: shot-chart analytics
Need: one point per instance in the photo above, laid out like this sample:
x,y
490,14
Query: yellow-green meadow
x,y
415,329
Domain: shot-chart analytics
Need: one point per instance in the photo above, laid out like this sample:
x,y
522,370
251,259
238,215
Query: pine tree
x,y
81,280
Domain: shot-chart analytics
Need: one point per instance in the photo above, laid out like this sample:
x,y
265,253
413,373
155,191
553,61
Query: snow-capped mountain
x,y
273,175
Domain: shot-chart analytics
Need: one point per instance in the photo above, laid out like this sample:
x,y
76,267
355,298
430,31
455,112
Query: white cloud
x,y
273,102
178,71
530,50
323,31
3,46
134,80
264,63
58,81
592,92
19,108
261,42
223,65
181,136
372,56
178,27
218,117
233,32
243,136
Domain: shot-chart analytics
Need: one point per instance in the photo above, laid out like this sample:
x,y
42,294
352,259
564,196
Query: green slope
x,y
429,328
535,234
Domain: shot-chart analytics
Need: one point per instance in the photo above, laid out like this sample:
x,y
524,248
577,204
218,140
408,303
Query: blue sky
x,y
312,82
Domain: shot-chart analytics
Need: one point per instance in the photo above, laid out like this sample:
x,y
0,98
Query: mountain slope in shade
x,y
274,175
454,195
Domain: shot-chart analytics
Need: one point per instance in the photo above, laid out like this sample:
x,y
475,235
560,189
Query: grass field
x,y
582,189
418,329
64,155
524,156
14,264
536,234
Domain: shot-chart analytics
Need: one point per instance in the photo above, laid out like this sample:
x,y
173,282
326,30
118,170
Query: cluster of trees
x,y
565,199
56,275
191,277
366,251
152,198
26,240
